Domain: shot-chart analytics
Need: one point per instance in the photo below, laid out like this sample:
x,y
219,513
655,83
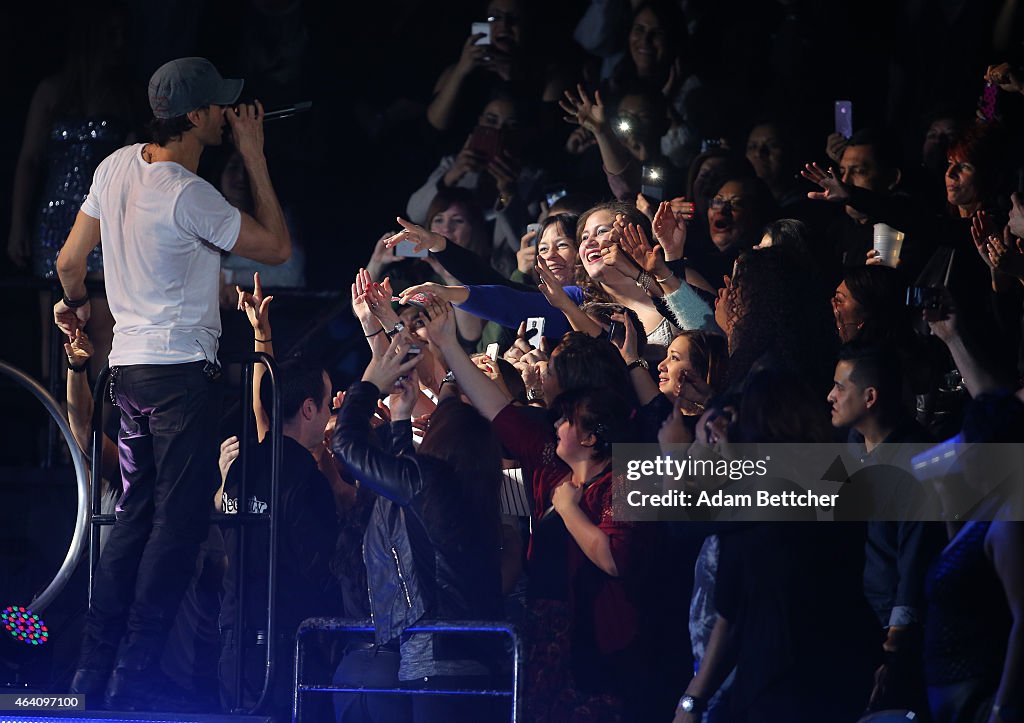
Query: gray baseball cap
x,y
183,85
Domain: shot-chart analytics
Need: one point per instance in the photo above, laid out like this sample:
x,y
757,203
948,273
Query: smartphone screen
x,y
652,180
485,29
485,141
844,118
408,250
552,196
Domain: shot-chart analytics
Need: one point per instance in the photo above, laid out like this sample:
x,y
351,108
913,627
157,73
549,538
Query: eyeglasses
x,y
736,202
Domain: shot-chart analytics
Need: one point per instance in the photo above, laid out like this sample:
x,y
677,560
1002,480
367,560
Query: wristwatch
x,y
692,704
642,363
448,378
534,394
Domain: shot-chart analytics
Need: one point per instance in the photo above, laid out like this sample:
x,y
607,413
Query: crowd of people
x,y
596,259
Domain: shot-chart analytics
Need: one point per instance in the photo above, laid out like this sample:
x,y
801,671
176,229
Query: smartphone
x,y
481,28
534,227
652,180
987,102
616,332
408,249
536,322
552,197
844,118
492,351
486,141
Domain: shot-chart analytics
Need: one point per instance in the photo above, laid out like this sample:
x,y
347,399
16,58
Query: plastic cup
x,y
888,244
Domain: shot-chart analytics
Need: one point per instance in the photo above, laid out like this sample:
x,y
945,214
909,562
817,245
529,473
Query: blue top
x,y
510,307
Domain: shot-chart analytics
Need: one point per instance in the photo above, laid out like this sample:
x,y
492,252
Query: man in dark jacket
x,y
307,531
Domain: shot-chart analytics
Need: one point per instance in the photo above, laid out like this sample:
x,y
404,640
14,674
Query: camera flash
x,y
624,126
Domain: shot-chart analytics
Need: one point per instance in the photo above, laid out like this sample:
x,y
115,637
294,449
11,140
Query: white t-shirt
x,y
162,228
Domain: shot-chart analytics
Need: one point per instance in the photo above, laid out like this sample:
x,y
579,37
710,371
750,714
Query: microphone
x,y
286,112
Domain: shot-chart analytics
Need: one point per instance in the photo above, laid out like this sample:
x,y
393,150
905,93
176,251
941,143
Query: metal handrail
x,y
67,568
242,518
311,625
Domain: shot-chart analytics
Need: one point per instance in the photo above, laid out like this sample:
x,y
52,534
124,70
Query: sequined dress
x,y
74,148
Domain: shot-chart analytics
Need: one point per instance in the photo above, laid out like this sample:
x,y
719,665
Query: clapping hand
x,y
669,226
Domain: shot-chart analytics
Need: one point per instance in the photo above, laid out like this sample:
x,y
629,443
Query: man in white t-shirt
x,y
163,229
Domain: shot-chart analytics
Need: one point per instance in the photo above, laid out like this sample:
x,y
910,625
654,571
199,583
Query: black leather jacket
x,y
413,566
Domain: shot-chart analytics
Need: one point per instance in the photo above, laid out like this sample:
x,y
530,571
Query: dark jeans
x,y
168,451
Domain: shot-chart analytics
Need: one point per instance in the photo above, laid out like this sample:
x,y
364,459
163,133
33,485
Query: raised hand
x,y
1006,254
584,112
384,370
229,450
983,231
466,161
439,323
505,176
669,226
521,346
472,56
627,343
1005,77
833,188
404,397
526,256
256,307
79,349
615,258
420,236
650,259
377,298
382,256
550,287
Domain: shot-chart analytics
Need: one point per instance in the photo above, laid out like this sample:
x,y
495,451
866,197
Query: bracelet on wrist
x,y
75,303
379,331
662,281
78,368
263,341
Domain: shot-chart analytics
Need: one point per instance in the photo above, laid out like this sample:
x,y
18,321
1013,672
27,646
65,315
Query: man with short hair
x,y
310,495
867,398
867,183
163,230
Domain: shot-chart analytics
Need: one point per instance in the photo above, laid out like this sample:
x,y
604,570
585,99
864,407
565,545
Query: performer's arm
x,y
71,269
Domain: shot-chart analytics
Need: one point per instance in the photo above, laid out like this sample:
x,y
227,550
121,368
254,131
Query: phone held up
x,y
536,322
484,29
844,118
407,249
652,183
534,228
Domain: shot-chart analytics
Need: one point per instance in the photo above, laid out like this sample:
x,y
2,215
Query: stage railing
x,y
313,625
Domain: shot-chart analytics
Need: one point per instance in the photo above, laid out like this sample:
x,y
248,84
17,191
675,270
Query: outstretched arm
x,y
485,395
257,309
